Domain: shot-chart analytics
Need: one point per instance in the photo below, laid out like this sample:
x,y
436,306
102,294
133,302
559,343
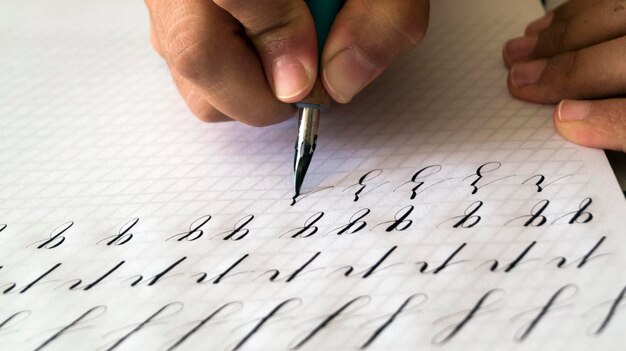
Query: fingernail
x,y
525,73
540,24
519,48
290,78
573,110
347,73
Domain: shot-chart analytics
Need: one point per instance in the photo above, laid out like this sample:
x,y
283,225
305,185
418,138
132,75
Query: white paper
x,y
106,178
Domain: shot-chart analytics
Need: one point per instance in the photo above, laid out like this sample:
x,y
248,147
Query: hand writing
x,y
248,60
575,55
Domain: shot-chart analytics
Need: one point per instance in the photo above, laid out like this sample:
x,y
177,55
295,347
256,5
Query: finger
x,y
593,72
599,23
198,104
206,46
572,7
598,124
154,29
366,37
154,40
561,13
284,36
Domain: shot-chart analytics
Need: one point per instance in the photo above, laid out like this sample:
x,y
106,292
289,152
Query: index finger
x,y
206,46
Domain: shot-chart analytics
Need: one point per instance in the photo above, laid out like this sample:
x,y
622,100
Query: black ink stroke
x,y
384,257
201,323
239,231
308,229
590,255
15,318
526,331
446,263
301,268
605,323
264,320
401,221
56,237
581,215
159,275
509,267
536,217
541,178
178,305
444,336
469,218
195,232
480,174
362,183
418,179
102,277
300,197
391,319
124,235
330,318
98,309
31,284
355,224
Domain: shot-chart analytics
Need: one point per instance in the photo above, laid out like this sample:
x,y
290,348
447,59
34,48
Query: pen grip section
x,y
318,97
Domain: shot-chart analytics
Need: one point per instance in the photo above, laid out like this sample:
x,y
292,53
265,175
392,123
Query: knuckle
x,y
226,4
562,38
408,23
232,6
563,70
254,118
263,21
272,29
411,27
205,112
265,117
155,42
258,122
557,36
613,121
198,105
190,52
392,30
384,32
616,116
571,65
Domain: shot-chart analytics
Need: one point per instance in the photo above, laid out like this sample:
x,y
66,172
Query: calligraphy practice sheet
x,y
438,213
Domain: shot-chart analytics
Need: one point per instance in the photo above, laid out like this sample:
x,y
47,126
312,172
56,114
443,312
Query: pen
x,y
323,12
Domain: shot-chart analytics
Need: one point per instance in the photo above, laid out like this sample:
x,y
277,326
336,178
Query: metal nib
x,y
308,118
299,171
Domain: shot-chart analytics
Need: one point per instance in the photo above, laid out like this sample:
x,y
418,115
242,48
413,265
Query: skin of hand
x,y
575,56
249,60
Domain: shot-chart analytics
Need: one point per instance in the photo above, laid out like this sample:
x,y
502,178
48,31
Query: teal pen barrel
x,y
324,13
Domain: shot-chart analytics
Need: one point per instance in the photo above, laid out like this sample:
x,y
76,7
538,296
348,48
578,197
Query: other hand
x,y
576,56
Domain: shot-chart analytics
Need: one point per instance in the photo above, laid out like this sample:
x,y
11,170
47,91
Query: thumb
x,y
597,123
283,34
366,37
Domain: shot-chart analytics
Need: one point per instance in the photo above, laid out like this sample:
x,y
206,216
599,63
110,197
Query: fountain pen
x,y
323,12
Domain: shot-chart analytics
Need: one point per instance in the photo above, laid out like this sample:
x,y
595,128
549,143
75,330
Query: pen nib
x,y
305,145
300,166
